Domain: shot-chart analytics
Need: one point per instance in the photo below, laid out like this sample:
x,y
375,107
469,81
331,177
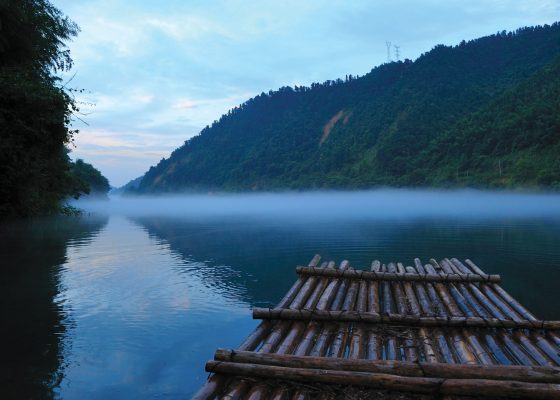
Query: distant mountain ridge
x,y
483,113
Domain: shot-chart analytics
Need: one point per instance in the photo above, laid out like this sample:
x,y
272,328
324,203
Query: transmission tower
x,y
397,52
388,44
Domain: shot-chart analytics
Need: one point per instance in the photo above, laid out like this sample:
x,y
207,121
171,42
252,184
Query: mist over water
x,y
377,204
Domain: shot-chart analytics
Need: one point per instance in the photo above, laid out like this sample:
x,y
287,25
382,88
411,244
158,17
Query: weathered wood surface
x,y
536,374
398,276
433,386
475,337
399,319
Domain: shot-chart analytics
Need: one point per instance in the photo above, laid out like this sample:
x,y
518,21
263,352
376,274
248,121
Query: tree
x,y
35,108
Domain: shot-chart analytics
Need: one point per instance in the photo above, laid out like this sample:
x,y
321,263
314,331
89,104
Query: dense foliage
x,y
96,184
35,109
403,124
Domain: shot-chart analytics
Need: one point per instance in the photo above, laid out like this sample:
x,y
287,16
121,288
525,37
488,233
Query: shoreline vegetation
x,y
36,113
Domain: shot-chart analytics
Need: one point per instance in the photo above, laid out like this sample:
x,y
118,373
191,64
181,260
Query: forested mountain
x,y
473,114
35,109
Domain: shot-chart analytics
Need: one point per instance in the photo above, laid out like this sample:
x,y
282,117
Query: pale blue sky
x,y
159,71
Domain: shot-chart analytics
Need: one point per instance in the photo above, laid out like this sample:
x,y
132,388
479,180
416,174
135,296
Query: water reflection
x,y
131,305
255,257
34,324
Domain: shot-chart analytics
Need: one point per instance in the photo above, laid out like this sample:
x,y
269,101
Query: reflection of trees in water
x,y
254,262
33,325
260,256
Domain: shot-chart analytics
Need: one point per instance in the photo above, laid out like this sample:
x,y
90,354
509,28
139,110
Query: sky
x,y
156,72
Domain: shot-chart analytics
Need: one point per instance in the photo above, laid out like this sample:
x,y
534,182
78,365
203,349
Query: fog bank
x,y
376,204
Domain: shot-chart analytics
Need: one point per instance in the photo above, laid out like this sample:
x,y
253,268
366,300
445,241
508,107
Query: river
x,y
130,299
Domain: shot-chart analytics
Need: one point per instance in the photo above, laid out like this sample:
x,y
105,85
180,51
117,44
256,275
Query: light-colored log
x,y
478,350
427,345
461,349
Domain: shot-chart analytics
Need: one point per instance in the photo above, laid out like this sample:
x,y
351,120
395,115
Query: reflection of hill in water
x,y
32,254
258,256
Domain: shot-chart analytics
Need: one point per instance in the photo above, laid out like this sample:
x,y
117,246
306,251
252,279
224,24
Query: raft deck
x,y
439,329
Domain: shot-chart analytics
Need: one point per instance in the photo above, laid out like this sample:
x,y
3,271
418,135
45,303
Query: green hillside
x,y
403,124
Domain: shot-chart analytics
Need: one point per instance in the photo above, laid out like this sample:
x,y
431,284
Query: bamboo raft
x,y
437,330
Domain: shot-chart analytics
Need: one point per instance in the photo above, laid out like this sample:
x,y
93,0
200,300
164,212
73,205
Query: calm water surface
x,y
130,300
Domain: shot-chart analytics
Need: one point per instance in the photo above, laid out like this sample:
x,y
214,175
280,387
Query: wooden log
x,y
422,295
443,347
366,379
496,350
331,290
515,350
552,352
506,297
388,343
410,347
427,346
257,336
433,386
399,319
476,347
236,390
457,296
373,342
398,291
304,346
280,393
289,343
279,330
257,392
411,299
341,292
495,389
522,311
283,338
373,292
502,305
290,295
321,345
323,338
308,286
395,276
318,291
339,343
531,349
437,304
211,388
534,374
477,308
357,341
461,349
261,331
444,294
300,395
501,298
